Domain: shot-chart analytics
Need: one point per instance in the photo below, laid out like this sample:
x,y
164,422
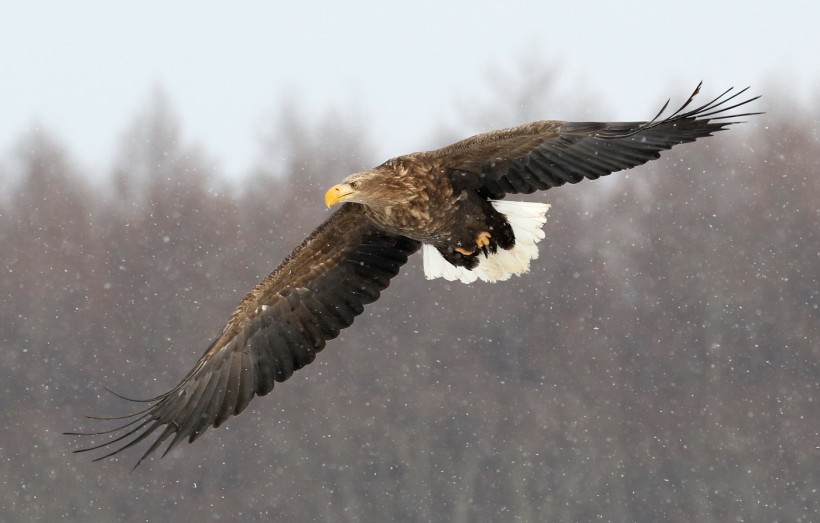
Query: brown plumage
x,y
443,198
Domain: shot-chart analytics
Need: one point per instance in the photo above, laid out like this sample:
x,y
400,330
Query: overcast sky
x,y
82,69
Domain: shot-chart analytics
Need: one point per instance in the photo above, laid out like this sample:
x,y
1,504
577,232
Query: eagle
x,y
448,203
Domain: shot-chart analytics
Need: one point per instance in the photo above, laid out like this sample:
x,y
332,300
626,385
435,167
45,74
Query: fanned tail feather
x,y
526,220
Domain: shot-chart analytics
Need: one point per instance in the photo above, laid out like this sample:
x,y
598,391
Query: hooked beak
x,y
337,194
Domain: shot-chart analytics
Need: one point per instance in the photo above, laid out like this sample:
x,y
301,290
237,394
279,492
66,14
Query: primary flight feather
x,y
447,201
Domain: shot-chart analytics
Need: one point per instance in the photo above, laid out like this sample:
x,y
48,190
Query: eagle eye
x,y
354,185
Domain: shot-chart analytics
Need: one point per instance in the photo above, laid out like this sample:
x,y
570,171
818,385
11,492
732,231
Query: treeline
x,y
660,363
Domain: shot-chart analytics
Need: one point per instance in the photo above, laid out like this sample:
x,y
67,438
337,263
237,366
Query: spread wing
x,y
278,328
546,154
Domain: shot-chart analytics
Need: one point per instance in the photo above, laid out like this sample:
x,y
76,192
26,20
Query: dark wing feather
x,y
546,154
277,329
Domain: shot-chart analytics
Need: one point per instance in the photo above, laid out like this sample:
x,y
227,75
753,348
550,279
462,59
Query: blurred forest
x,y
659,363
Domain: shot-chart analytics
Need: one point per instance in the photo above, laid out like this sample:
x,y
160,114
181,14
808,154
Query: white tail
x,y
526,220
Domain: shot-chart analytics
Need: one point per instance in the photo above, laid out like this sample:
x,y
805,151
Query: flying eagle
x,y
446,202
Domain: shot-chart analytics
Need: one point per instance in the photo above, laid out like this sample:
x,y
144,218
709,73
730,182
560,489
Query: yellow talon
x,y
463,251
483,239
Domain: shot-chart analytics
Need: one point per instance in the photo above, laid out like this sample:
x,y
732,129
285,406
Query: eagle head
x,y
371,188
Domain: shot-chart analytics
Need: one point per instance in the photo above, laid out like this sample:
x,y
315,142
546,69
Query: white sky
x,y
82,69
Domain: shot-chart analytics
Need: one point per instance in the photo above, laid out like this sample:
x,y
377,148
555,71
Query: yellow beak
x,y
337,194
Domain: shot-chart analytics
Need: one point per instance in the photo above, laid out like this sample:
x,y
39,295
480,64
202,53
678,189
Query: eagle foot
x,y
483,242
